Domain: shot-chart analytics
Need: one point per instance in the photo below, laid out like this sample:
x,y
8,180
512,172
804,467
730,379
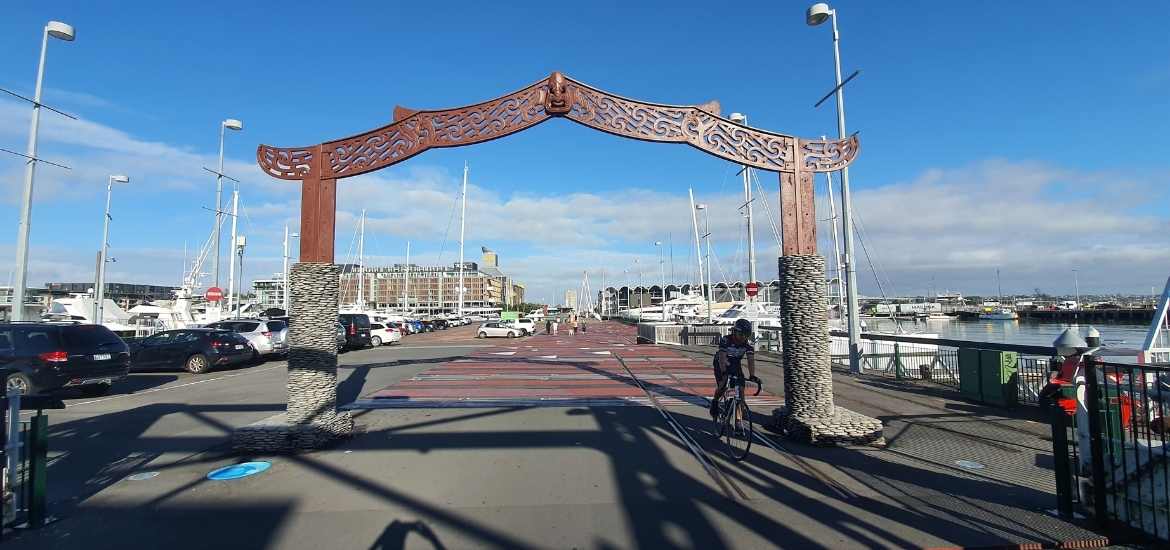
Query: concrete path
x,y
510,467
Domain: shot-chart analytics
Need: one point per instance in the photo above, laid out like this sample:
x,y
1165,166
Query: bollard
x,y
898,374
38,453
12,454
1061,465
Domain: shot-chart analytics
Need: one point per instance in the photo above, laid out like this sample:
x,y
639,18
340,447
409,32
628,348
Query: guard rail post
x,y
38,453
1096,446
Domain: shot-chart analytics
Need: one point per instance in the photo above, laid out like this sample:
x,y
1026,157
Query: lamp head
x,y
701,206
120,179
1069,343
817,14
233,124
738,118
657,243
60,31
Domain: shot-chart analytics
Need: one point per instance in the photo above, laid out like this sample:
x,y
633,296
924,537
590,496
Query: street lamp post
x,y
228,124
284,282
819,13
100,302
662,280
1077,286
60,31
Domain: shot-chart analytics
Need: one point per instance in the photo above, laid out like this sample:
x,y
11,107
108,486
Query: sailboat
x,y
1156,348
1000,313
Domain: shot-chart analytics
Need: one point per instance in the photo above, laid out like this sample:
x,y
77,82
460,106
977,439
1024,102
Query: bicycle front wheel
x,y
736,431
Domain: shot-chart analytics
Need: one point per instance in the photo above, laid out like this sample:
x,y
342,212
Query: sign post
x,y
752,288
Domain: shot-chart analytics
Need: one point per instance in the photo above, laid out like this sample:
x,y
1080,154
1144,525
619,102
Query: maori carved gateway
x,y
312,417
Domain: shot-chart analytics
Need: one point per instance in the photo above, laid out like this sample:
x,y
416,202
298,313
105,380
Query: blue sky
x,y
1030,137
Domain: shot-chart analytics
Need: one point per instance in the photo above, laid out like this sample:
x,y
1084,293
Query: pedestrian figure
x,y
548,326
582,326
573,325
554,325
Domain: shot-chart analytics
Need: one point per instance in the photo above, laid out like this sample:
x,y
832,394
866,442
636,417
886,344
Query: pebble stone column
x,y
809,414
312,419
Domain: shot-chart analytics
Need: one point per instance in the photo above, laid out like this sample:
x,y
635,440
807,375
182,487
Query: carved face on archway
x,y
558,101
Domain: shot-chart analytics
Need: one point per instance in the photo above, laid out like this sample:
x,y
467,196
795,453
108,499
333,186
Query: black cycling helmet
x,y
743,327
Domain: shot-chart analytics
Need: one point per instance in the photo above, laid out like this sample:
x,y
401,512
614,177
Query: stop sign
x,y
752,288
214,294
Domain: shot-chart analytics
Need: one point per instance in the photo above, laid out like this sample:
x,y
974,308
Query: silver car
x,y
266,337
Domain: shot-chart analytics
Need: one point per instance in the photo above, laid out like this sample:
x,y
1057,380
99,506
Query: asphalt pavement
x,y
585,441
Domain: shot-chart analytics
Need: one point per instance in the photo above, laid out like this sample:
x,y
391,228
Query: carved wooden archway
x,y
412,132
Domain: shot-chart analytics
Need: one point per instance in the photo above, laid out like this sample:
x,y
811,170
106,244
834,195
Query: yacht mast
x,y
406,281
462,227
361,293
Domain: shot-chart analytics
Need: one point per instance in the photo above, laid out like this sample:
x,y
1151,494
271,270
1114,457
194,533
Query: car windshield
x,y
236,326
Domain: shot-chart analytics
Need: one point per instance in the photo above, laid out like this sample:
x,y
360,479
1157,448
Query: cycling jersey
x,y
735,352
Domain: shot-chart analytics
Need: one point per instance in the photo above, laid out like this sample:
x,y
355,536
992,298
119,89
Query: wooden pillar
x,y
318,214
798,220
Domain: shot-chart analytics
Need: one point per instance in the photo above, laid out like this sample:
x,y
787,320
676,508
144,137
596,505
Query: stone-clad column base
x,y
311,419
844,427
809,414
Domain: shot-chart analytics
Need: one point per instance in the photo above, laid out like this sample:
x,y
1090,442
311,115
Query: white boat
x,y
80,308
937,316
1000,314
1156,348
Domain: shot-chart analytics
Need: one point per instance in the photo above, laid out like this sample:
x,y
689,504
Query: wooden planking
x,y
797,213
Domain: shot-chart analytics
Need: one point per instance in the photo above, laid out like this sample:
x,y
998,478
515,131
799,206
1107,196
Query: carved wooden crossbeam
x,y
412,132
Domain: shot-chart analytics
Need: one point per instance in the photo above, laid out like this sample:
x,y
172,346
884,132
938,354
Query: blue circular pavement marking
x,y
236,471
142,476
969,464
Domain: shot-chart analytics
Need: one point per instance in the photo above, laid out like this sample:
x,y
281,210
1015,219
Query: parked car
x,y
279,330
262,338
525,325
357,329
401,326
417,326
440,324
381,334
496,329
340,337
195,350
44,357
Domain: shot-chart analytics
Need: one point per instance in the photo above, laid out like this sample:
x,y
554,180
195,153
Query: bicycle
x,y
733,424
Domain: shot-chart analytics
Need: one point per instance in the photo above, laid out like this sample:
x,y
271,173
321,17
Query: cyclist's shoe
x,y
714,409
756,379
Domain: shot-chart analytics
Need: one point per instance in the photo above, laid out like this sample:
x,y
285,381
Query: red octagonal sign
x,y
752,288
214,294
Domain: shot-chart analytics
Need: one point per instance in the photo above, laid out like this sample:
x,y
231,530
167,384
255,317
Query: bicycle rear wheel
x,y
736,430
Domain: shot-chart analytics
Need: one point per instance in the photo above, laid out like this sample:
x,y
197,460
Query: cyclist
x,y
733,348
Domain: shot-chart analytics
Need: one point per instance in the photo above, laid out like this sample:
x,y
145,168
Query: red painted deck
x,y
561,370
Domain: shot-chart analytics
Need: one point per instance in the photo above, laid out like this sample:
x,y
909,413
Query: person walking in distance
x,y
555,323
548,326
572,325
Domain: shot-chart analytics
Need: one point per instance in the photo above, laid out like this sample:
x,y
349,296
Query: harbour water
x,y
1128,336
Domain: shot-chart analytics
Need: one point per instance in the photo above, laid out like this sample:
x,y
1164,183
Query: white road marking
x,y
503,353
165,388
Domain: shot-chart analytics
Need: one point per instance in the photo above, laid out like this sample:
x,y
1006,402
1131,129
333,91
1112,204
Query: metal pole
x,y
1077,282
661,270
232,263
12,448
30,170
284,273
698,247
670,240
462,228
361,293
836,246
406,281
747,200
219,203
847,222
710,284
100,306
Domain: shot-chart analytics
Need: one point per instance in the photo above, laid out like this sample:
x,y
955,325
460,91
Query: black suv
x,y
51,356
357,329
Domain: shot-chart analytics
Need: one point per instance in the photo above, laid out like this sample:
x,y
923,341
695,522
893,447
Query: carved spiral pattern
x,y
672,124
591,107
289,164
425,129
829,155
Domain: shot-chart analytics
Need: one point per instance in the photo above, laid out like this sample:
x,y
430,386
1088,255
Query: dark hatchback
x,y
44,357
194,349
357,329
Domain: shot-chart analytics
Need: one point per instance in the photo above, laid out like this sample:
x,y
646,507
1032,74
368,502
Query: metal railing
x,y
24,462
1111,457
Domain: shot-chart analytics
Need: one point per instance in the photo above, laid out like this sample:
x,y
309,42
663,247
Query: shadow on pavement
x,y
395,535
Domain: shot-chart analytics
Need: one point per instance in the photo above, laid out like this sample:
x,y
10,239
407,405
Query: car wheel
x,y
95,390
19,382
511,334
376,341
481,335
197,364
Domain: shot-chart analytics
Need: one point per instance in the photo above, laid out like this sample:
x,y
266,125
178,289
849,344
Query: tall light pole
x,y
818,13
235,244
60,31
642,294
284,270
100,303
228,124
661,269
747,204
462,228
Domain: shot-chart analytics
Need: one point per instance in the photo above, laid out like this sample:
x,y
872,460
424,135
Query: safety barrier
x,y
24,460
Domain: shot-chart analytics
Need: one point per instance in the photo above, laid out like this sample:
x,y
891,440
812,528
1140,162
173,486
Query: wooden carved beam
x,y
413,132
